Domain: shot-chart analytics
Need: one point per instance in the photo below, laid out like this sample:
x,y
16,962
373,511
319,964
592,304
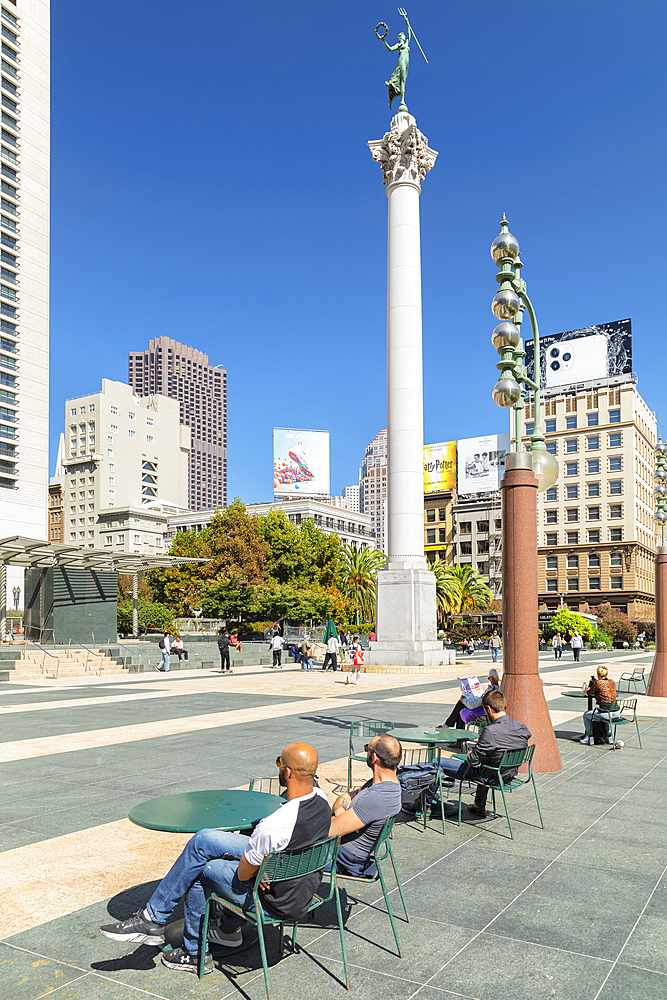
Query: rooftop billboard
x,y
300,462
482,463
585,355
439,466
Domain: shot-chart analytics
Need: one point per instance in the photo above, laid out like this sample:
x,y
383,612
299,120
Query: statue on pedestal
x,y
396,85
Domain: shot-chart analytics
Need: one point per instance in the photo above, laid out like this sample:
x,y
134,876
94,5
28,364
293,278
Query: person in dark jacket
x,y
224,643
502,733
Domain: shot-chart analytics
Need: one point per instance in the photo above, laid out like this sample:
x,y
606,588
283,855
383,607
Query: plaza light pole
x,y
657,685
525,474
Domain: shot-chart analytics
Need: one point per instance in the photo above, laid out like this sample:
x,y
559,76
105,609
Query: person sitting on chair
x,y
358,816
460,716
603,689
178,650
226,864
502,733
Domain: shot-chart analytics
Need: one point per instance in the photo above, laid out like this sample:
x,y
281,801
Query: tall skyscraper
x,y
351,494
373,486
183,373
24,268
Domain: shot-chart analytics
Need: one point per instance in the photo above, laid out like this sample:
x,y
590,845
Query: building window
x,y
137,539
571,468
551,517
615,510
482,547
149,421
614,416
483,527
430,536
114,428
552,447
572,514
572,491
615,439
72,413
571,445
466,548
592,489
131,416
616,582
593,559
593,513
572,583
593,442
616,534
594,583
442,513
121,539
465,527
573,562
571,423
615,487
114,411
552,494
442,535
616,559
430,515
91,408
551,538
615,463
594,536
550,426
552,562
149,438
592,419
108,539
530,428
593,466
552,586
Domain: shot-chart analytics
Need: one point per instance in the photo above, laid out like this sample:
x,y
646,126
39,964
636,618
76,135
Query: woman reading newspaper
x,y
469,705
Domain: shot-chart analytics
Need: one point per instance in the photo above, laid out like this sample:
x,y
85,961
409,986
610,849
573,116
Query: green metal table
x,y
434,735
218,809
580,694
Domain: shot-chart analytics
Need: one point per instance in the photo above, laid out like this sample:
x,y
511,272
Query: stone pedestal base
x,y
410,654
406,617
657,684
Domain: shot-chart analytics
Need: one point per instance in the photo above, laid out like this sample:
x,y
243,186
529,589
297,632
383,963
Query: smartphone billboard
x,y
439,466
586,355
300,462
482,463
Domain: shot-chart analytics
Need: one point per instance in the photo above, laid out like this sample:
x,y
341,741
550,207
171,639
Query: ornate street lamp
x,y
525,474
657,685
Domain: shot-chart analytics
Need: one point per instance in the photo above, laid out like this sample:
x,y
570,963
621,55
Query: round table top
x,y
433,735
219,809
575,694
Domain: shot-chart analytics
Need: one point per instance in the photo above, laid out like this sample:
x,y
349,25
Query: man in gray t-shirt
x,y
358,816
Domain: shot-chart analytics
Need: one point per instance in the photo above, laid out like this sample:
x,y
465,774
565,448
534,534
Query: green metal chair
x,y
270,785
510,758
629,705
427,755
381,852
364,729
636,677
477,724
281,866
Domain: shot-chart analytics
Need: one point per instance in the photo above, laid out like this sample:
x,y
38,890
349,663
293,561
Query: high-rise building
x,y
351,494
24,268
373,486
124,454
171,369
478,532
596,535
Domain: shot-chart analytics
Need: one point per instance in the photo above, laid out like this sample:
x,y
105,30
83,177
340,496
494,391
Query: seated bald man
x,y
358,816
226,863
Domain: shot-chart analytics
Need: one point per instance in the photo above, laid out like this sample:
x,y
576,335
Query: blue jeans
x,y
596,716
164,662
494,654
457,769
199,871
307,662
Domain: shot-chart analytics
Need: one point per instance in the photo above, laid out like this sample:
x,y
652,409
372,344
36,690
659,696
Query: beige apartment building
x,y
126,468
439,526
596,536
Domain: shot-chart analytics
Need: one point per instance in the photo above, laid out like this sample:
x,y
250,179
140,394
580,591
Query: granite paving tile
x,y
24,976
628,983
646,947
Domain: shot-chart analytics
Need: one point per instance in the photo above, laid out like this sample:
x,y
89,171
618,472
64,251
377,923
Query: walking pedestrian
x,y
576,642
164,645
276,647
331,655
224,643
495,643
357,662
306,654
557,643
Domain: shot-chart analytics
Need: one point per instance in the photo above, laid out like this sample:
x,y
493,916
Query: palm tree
x,y
360,567
460,589
445,588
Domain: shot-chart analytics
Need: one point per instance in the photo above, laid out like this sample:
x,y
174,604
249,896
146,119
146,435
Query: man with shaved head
x,y
226,863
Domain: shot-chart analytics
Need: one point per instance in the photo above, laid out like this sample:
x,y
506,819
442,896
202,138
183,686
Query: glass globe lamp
x,y
661,447
660,491
659,475
545,469
505,335
660,516
505,304
506,392
504,245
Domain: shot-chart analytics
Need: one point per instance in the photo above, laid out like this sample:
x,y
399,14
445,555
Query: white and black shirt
x,y
297,824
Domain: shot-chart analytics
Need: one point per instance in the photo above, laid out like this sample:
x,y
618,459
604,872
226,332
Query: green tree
x,y
617,624
321,553
460,589
446,588
152,615
284,549
568,622
358,575
300,604
231,599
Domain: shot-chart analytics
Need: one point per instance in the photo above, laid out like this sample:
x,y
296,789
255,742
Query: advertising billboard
x,y
482,463
439,466
586,355
300,462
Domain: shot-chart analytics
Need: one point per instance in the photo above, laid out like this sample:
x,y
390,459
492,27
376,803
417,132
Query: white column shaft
x,y
405,413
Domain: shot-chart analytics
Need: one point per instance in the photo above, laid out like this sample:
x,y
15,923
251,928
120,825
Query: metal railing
x,y
116,643
89,652
46,653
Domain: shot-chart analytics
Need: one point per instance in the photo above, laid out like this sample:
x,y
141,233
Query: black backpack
x,y
162,644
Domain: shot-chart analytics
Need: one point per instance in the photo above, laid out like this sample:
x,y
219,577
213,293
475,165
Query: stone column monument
x,y
406,609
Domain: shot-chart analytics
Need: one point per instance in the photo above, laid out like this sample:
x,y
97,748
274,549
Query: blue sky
x,y
211,182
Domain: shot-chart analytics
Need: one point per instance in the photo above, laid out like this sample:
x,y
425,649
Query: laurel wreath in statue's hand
x,y
377,30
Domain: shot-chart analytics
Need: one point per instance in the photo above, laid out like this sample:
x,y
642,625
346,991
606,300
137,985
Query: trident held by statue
x,y
396,84
404,14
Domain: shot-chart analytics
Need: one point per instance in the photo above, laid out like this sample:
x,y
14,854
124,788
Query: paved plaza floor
x,y
577,911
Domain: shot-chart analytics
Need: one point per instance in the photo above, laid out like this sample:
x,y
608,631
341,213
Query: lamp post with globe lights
x,y
657,685
525,474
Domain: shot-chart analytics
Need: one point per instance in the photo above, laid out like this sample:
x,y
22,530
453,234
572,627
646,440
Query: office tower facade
x,y
171,369
477,528
124,455
596,534
351,494
24,267
373,486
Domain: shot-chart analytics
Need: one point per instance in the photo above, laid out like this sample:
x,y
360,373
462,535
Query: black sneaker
x,y
477,810
183,961
136,929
